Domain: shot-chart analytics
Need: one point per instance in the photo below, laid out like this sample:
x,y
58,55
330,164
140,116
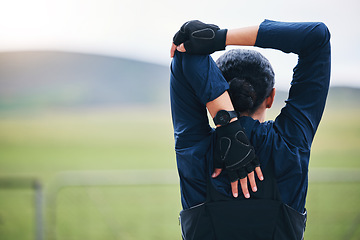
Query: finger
x,y
259,173
251,177
172,50
179,37
244,187
234,188
181,48
216,172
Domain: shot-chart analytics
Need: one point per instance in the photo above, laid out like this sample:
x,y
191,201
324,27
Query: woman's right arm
x,y
299,119
309,87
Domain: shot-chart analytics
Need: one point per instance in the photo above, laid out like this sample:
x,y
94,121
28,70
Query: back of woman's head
x,y
250,76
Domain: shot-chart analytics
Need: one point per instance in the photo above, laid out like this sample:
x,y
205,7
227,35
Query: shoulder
x,y
258,133
267,141
261,136
269,133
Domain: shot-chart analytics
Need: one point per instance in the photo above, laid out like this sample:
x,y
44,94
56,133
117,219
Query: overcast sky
x,y
143,30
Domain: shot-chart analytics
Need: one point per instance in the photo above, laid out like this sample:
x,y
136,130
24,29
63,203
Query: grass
x,y
44,144
16,214
86,140
337,142
333,211
136,212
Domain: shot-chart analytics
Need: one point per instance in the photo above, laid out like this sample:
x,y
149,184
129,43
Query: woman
x,y
277,209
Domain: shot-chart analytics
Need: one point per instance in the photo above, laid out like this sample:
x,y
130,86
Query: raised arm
x,y
299,119
196,83
310,83
238,159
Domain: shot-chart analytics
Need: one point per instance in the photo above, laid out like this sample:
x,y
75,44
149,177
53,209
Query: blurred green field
x,y
45,144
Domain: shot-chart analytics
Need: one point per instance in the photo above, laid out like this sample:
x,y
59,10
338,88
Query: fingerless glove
x,y
201,38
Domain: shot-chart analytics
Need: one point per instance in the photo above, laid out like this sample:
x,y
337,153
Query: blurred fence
x,y
78,179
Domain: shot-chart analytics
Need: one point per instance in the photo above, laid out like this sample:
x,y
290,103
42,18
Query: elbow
x,y
317,38
321,34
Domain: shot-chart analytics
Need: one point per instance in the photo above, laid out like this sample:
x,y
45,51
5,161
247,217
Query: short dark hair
x,y
250,76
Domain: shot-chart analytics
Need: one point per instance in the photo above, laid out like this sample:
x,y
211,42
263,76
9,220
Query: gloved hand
x,y
234,152
200,38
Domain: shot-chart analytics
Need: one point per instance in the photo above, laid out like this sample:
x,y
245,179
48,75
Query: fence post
x,y
39,231
34,184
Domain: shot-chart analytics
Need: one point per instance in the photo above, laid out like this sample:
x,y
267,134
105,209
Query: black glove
x,y
234,152
200,38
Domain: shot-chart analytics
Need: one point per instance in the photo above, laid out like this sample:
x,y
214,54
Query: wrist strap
x,y
232,114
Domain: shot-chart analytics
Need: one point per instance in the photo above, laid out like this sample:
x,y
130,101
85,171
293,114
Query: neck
x,y
259,115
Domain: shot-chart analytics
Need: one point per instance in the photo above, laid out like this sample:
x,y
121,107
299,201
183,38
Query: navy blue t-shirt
x,y
195,80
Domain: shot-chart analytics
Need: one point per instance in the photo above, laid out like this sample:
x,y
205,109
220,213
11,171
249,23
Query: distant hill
x,y
62,79
338,97
344,97
43,80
